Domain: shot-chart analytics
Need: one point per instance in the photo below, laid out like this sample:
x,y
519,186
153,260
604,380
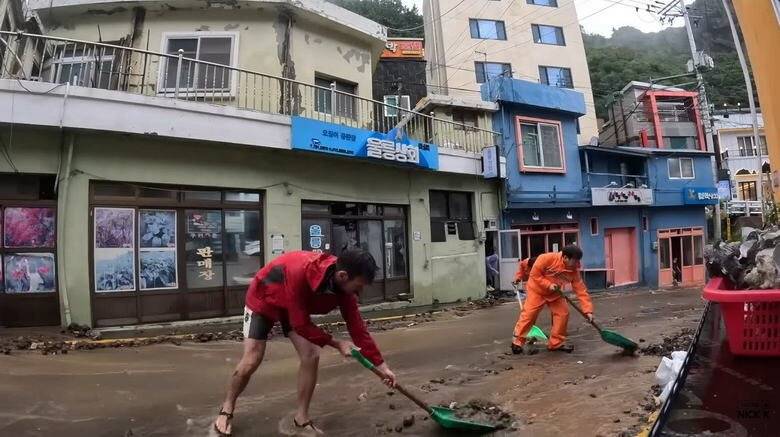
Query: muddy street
x,y
172,390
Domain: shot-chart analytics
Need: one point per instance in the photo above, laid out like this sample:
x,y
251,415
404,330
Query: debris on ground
x,y
484,412
751,264
680,341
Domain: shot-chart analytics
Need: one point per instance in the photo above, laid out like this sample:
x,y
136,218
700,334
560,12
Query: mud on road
x,y
460,355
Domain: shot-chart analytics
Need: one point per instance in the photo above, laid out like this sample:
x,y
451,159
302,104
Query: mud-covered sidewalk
x,y
174,388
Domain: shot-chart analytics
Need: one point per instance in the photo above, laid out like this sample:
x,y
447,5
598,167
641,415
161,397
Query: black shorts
x,y
257,326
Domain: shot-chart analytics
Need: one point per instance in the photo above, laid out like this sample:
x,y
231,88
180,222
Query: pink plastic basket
x,y
752,317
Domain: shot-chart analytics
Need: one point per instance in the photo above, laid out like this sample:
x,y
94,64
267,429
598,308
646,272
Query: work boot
x,y
565,348
517,350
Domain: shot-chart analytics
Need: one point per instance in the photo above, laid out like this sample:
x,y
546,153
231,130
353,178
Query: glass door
x,y
370,239
509,256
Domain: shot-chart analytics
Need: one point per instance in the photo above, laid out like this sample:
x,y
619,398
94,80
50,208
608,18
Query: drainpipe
x,y
62,204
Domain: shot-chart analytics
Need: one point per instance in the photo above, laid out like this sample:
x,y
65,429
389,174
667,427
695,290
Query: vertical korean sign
x,y
204,249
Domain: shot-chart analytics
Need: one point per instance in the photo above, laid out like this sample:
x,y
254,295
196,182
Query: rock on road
x,y
169,390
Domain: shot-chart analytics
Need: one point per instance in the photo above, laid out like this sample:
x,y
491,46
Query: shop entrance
x,y
165,253
379,229
681,261
620,251
28,251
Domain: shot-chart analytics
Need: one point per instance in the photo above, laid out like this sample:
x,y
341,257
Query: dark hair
x,y
573,252
357,263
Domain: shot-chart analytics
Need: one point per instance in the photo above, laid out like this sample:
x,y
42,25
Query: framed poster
x,y
114,228
29,273
157,258
29,227
114,249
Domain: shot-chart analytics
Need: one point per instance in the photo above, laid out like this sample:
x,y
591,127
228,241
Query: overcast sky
x,y
613,15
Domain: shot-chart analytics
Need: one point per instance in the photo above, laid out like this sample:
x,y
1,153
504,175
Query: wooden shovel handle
x,y
579,310
370,366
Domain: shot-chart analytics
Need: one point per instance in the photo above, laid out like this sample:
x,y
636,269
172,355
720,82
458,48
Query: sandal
x,y
227,422
308,425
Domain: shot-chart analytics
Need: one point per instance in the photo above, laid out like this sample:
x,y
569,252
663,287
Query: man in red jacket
x,y
288,290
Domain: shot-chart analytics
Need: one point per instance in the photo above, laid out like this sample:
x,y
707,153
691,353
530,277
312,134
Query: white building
x,y
740,155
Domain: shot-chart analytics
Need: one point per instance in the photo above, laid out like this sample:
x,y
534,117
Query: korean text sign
x,y
323,137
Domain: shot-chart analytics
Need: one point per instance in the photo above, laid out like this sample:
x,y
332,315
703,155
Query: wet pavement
x,y
175,390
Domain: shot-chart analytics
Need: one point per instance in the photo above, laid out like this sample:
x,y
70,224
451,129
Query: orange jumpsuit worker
x,y
524,270
549,273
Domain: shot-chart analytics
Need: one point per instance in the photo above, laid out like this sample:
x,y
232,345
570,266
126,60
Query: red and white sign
x,y
404,48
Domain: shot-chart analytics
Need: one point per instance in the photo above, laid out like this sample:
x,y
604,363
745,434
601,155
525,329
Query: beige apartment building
x,y
538,40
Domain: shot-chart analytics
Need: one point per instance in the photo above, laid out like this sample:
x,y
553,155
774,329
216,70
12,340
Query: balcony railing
x,y
744,207
615,180
112,67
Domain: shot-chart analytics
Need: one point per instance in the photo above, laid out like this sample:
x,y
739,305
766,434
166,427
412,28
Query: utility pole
x,y
752,102
703,102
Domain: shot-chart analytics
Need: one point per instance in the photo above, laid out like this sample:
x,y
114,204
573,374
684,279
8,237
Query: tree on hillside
x,y
391,13
630,54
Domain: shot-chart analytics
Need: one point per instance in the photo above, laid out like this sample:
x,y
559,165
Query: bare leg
x,y
254,350
309,354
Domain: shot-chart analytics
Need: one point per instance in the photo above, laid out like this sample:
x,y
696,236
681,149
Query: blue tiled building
x,y
637,212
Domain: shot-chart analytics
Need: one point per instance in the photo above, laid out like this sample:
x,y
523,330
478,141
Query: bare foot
x,y
223,425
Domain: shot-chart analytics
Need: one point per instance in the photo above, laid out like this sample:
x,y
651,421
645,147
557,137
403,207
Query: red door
x,y
620,251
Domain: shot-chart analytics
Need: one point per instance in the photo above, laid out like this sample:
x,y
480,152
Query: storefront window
x,y
203,248
687,251
242,197
242,246
202,196
158,268
697,250
29,272
371,241
379,229
395,248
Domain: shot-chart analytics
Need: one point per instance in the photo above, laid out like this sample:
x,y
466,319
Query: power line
x,y
424,23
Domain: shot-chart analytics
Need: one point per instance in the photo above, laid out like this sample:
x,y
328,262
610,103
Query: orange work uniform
x,y
550,269
522,271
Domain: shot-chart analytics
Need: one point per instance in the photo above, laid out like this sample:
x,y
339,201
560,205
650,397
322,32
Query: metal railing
x,y
174,75
615,180
744,207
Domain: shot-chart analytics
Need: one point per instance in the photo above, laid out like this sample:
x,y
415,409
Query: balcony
x,y
112,69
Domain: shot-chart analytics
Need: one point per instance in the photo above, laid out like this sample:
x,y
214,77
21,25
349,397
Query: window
x,y
748,191
645,223
552,35
540,144
551,3
214,48
393,101
594,226
337,99
451,210
487,29
747,146
556,76
488,70
87,66
681,168
467,119
538,239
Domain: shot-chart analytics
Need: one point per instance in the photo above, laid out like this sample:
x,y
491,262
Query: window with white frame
x,y
208,48
335,97
551,3
747,146
541,145
405,103
681,168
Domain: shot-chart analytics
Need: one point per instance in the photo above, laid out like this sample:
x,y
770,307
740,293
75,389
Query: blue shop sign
x,y
701,196
335,139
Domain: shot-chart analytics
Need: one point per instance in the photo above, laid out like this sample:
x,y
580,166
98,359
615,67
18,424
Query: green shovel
x,y
608,336
443,416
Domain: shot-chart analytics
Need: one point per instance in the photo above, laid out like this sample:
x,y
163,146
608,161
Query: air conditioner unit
x,y
491,225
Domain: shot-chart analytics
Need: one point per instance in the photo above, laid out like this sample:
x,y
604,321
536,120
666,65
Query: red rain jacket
x,y
292,287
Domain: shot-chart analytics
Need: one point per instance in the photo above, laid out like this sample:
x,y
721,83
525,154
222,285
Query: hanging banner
x,y
335,139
